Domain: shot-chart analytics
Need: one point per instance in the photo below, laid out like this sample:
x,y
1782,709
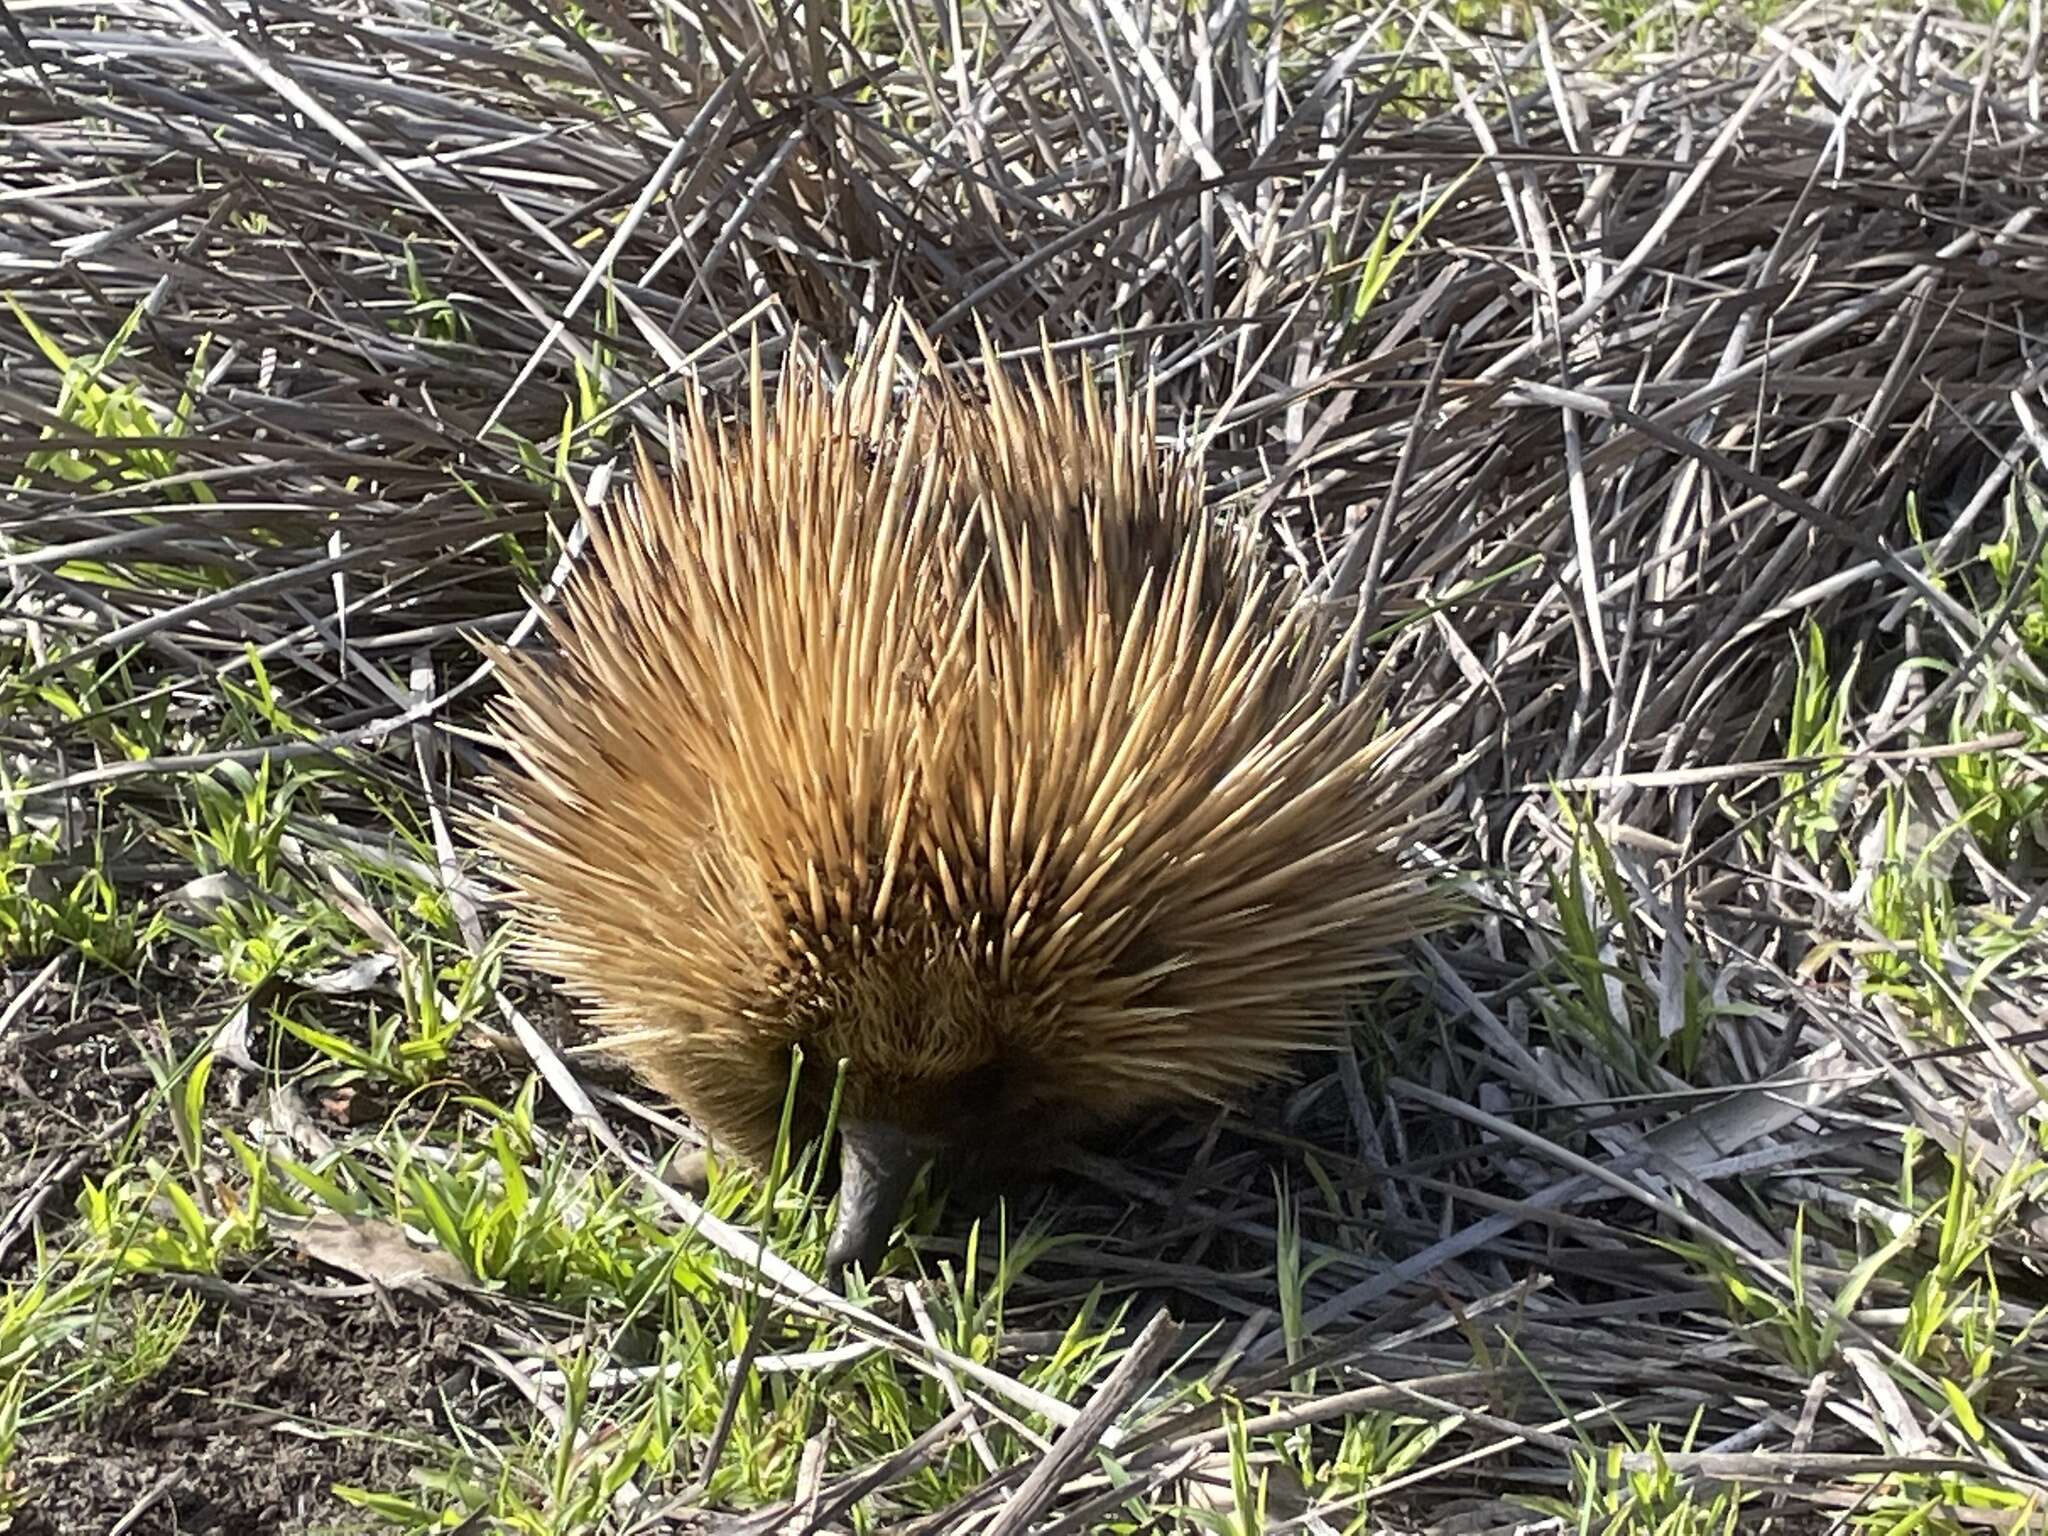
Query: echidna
x,y
944,738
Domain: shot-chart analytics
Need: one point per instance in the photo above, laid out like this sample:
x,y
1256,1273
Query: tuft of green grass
x,y
1631,1489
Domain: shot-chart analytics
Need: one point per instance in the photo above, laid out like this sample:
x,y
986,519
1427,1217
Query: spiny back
x,y
947,735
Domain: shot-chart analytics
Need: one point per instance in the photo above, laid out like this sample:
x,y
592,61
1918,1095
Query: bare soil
x,y
290,1380
265,1407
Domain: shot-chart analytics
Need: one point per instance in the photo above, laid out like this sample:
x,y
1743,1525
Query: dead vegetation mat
x,y
1617,376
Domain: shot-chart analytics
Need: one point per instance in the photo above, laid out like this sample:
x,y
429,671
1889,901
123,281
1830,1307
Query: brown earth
x,y
263,1409
291,1378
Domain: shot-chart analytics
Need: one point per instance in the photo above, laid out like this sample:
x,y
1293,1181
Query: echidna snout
x,y
969,1126
950,737
878,1162
935,1077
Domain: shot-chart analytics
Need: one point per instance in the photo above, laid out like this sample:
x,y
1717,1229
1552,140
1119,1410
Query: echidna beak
x,y
877,1164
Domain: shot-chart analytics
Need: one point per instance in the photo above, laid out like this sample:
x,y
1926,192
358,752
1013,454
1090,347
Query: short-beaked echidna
x,y
945,737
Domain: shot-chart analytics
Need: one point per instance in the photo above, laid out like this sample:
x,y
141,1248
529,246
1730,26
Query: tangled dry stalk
x,y
1605,369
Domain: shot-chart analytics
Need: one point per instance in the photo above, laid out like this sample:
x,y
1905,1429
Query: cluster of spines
x,y
889,700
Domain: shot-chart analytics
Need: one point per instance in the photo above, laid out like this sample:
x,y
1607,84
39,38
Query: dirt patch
x,y
274,1395
263,1409
71,1084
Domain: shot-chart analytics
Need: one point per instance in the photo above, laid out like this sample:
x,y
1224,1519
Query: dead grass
x,y
1668,387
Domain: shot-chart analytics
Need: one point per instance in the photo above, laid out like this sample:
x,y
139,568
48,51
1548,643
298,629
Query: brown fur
x,y
948,736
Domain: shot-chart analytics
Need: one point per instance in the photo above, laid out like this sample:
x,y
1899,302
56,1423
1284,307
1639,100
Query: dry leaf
x,y
379,1252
